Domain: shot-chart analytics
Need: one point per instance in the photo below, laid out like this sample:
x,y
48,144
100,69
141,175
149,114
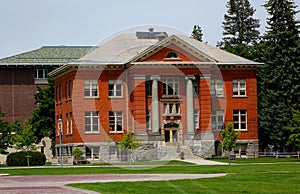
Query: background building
x,y
172,92
21,74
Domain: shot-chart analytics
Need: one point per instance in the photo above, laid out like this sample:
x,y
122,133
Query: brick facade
x,y
186,102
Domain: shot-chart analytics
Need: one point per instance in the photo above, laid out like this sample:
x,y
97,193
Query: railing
x,y
280,154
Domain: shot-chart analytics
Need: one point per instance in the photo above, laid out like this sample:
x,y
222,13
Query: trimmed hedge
x,y
20,158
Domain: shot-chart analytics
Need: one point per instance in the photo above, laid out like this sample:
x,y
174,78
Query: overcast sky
x,y
30,24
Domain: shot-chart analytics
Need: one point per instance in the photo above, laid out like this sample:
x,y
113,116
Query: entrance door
x,y
171,135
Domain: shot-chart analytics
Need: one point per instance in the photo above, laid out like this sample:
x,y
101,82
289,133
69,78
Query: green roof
x,y
50,54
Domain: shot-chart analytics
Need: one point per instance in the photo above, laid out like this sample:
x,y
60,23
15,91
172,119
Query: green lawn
x,y
246,176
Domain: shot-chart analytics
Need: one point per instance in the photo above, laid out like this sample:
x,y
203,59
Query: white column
x,y
190,104
155,106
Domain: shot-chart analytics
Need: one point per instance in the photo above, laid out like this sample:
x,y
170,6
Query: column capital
x,y
189,77
155,77
139,77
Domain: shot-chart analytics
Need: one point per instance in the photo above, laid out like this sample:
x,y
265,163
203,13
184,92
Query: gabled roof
x,y
197,48
118,50
127,48
48,54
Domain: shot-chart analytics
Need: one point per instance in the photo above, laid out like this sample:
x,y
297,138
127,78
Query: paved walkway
x,y
54,184
51,184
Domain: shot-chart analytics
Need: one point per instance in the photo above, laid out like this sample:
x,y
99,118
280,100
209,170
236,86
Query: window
x,y
148,117
217,120
70,89
115,122
60,93
40,73
216,87
92,152
68,123
148,86
196,119
170,86
67,89
91,122
115,88
171,55
240,119
196,86
71,124
239,87
171,108
91,88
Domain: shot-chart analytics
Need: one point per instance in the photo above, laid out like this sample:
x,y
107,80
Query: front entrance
x,y
171,133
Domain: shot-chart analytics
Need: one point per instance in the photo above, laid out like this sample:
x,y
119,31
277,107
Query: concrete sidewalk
x,y
55,183
201,161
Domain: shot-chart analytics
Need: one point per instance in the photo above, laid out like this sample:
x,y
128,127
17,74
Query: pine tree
x,y
240,29
197,33
278,79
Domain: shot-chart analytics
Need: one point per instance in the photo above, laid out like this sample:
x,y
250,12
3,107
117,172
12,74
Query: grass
x,y
232,183
245,176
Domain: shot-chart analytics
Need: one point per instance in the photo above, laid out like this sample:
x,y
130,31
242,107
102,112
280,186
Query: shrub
x,y
20,158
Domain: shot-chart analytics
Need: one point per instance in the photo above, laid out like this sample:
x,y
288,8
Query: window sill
x,y
91,98
216,96
115,132
241,130
92,133
236,96
115,97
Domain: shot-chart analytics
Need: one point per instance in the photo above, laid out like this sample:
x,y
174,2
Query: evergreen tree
x,y
43,118
294,138
197,33
240,29
278,79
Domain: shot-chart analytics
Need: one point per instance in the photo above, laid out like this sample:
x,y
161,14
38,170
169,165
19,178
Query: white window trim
x,y
115,122
115,83
91,117
216,115
172,82
240,120
238,81
90,85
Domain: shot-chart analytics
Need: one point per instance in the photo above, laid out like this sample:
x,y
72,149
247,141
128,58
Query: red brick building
x,y
21,74
172,92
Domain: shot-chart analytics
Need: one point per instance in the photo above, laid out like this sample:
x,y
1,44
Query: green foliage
x,y
43,118
294,138
240,29
20,158
278,78
130,143
77,153
229,136
197,33
6,130
24,139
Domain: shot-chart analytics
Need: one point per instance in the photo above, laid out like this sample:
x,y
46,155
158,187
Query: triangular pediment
x,y
171,49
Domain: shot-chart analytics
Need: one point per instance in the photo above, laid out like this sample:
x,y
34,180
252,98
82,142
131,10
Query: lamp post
x,y
60,140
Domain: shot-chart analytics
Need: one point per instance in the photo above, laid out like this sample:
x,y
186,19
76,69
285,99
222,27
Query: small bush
x,y
20,158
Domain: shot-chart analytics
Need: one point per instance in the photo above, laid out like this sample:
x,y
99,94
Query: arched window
x,y
172,55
